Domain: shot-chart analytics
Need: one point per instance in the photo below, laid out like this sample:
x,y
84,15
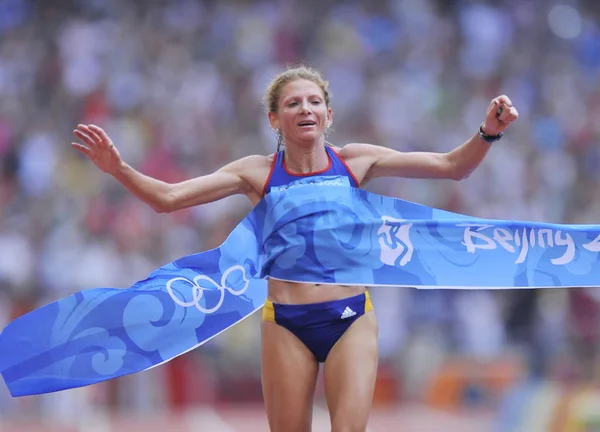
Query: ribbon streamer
x,y
316,230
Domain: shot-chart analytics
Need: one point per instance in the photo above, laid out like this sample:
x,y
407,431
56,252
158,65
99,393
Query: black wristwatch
x,y
489,138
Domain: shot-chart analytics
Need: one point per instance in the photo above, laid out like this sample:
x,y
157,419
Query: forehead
x,y
300,88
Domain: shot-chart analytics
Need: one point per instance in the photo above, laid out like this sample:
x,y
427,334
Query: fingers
x,y
93,136
85,137
502,100
504,113
508,113
497,104
98,131
503,109
87,130
83,149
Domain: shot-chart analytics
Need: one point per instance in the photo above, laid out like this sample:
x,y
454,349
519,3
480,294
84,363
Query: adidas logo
x,y
348,313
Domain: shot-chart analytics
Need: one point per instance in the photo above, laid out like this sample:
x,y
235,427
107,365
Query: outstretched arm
x,y
161,196
456,164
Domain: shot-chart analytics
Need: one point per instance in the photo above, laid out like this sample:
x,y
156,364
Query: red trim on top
x,y
270,174
347,168
306,174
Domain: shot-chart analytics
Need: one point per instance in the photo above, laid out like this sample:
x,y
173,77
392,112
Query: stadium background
x,y
178,86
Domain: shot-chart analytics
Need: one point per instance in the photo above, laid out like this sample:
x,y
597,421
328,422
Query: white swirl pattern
x,y
198,291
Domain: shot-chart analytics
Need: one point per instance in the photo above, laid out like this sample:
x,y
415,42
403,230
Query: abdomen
x,y
304,293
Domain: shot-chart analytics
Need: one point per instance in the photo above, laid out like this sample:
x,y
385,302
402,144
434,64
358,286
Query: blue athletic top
x,y
280,175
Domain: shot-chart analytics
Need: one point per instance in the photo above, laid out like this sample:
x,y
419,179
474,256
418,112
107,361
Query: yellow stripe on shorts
x,y
268,313
368,304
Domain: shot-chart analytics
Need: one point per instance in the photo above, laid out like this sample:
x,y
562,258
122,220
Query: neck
x,y
303,160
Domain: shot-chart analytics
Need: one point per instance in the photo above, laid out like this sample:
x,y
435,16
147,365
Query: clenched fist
x,y
98,147
500,114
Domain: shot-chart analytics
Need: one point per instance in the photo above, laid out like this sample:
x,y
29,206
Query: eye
x,y
316,102
291,104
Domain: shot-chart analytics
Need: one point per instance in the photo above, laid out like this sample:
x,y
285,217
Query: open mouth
x,y
306,124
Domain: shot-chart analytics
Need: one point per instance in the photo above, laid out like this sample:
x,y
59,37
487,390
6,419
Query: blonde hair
x,y
271,99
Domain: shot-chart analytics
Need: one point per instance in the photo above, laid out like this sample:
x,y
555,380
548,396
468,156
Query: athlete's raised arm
x,y
456,164
161,196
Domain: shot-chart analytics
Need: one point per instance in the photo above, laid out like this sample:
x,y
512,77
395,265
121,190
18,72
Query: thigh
x,y
289,375
350,372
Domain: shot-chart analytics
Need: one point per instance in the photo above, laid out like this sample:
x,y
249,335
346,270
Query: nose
x,y
305,107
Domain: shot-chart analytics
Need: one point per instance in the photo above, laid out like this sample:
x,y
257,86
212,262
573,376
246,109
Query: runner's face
x,y
302,114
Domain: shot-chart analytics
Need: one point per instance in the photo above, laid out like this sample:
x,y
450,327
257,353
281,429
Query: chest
x,y
262,175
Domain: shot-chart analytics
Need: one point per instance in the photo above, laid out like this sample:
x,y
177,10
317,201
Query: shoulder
x,y
257,159
360,158
359,150
250,163
252,171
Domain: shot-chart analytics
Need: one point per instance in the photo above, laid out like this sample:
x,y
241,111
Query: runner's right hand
x,y
98,147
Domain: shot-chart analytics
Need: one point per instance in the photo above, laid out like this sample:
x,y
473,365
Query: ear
x,y
329,117
274,120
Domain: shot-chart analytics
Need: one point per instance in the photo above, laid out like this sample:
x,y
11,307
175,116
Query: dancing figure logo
x,y
394,241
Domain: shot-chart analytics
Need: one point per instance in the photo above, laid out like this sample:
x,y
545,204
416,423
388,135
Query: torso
x,y
258,176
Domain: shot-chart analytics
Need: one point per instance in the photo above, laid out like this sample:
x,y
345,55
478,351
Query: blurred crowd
x,y
178,86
